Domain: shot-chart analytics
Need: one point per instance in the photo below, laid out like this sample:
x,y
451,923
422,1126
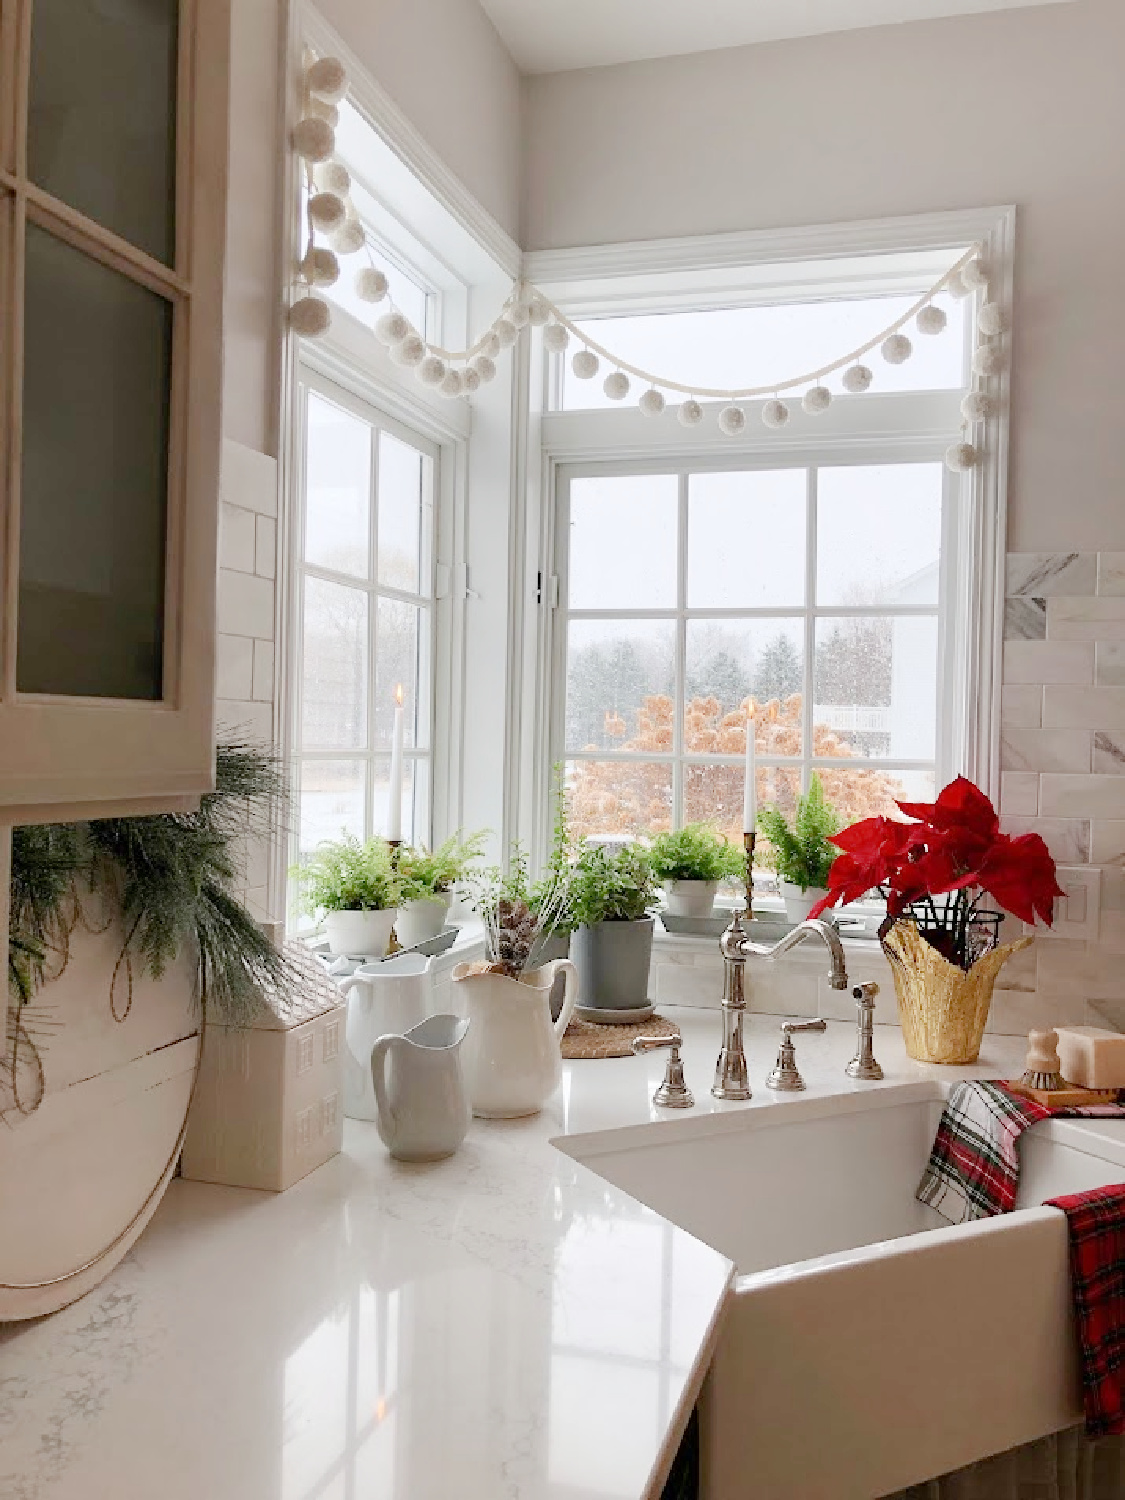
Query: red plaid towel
x,y
974,1168
1096,1222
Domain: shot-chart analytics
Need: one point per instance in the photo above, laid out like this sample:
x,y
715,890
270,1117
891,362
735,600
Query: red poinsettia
x,y
952,847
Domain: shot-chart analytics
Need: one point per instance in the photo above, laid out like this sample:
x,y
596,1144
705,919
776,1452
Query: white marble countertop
x,y
504,1325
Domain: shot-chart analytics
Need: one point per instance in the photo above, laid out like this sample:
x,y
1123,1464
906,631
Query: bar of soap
x,y
1092,1057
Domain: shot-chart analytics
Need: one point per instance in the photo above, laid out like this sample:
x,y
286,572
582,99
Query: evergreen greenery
x,y
426,875
611,885
698,851
348,875
802,853
552,891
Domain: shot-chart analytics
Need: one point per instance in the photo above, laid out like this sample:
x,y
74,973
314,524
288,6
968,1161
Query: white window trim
x,y
888,427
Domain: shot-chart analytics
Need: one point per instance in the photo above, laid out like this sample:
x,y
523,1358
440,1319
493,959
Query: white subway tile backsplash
x,y
1048,661
1016,1012
262,686
1045,749
1067,839
1019,793
1082,970
248,478
1083,707
1063,796
1107,841
1111,572
1109,754
234,666
1025,618
252,721
1049,573
265,547
236,538
245,605
1021,705
1098,619
1109,664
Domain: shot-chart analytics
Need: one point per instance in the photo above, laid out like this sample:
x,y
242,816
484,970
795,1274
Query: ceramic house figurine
x,y
268,1106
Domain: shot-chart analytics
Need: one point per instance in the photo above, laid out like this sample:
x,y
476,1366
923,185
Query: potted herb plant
x,y
803,854
427,880
691,862
357,888
612,892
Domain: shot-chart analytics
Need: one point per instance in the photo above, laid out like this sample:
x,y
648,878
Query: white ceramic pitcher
x,y
384,997
423,1110
512,1059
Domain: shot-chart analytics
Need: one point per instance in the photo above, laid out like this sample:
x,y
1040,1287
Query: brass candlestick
x,y
749,839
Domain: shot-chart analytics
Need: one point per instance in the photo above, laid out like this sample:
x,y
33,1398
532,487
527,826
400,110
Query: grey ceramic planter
x,y
612,961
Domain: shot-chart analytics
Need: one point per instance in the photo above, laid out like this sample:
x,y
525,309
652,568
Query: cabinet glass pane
x,y
97,368
102,113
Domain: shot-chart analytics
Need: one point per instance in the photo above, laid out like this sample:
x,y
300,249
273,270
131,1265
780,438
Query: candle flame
x,y
398,695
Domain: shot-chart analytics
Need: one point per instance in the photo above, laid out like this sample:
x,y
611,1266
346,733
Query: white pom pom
x,y
956,287
313,138
975,274
585,364
327,211
370,284
392,328
410,351
991,319
453,384
857,378
320,267
333,177
538,313
555,338
616,385
960,457
484,367
348,238
327,78
690,413
506,332
931,320
470,379
432,370
988,359
517,315
896,349
310,316
976,406
732,419
775,414
490,346
651,402
324,110
816,399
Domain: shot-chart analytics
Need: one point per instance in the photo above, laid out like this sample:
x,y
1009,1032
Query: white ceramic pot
x,y
391,997
511,1055
419,920
799,903
423,1109
359,934
690,898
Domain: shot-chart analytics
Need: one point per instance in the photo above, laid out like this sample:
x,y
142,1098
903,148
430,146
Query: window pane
x,y
878,534
402,654
729,661
620,679
618,797
876,687
623,542
334,661
97,363
337,489
856,793
414,802
331,801
746,539
747,346
713,794
405,509
102,116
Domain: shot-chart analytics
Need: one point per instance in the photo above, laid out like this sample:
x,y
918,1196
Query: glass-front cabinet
x,y
113,151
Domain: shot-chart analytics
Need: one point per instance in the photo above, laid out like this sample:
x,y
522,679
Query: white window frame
x,y
878,428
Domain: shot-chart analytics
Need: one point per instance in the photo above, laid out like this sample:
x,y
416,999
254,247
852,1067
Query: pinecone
x,y
516,929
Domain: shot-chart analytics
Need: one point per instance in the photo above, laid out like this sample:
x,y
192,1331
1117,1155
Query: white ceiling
x,y
548,36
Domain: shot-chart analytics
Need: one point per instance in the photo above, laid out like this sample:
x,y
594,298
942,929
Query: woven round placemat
x,y
588,1039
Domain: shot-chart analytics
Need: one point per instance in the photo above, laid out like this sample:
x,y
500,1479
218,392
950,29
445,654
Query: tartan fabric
x,y
1096,1225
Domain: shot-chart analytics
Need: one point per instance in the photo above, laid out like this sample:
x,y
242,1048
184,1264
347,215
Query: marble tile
x,y
1045,749
1083,707
1044,574
1109,754
234,666
1108,1013
248,478
1048,661
263,671
1068,839
236,538
245,605
1079,970
1062,796
1015,1012
1025,619
1107,841
1111,572
252,721
1109,664
1086,619
1019,793
1021,705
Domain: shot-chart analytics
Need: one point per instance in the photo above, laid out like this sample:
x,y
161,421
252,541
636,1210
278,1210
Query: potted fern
x,y
357,888
802,854
691,862
427,881
611,896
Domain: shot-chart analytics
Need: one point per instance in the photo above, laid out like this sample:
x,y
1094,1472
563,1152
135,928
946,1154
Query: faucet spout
x,y
811,927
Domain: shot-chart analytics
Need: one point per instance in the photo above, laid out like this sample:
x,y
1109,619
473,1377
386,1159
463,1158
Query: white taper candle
x,y
394,791
750,780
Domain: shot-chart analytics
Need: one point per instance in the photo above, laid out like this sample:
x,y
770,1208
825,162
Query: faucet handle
x,y
784,1075
673,1093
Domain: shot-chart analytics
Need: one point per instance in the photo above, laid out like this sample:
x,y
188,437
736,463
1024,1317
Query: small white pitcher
x,y
423,1110
384,997
512,1059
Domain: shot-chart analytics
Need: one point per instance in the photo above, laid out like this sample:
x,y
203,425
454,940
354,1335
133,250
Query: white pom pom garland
x,y
857,378
470,378
961,457
490,346
931,320
896,349
327,78
432,370
410,351
320,267
817,399
348,238
333,177
392,328
506,332
991,320
988,359
370,284
324,110
956,287
775,414
327,211
651,402
616,385
555,338
310,316
690,413
517,315
538,313
484,368
585,364
313,139
975,274
453,384
976,406
732,420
